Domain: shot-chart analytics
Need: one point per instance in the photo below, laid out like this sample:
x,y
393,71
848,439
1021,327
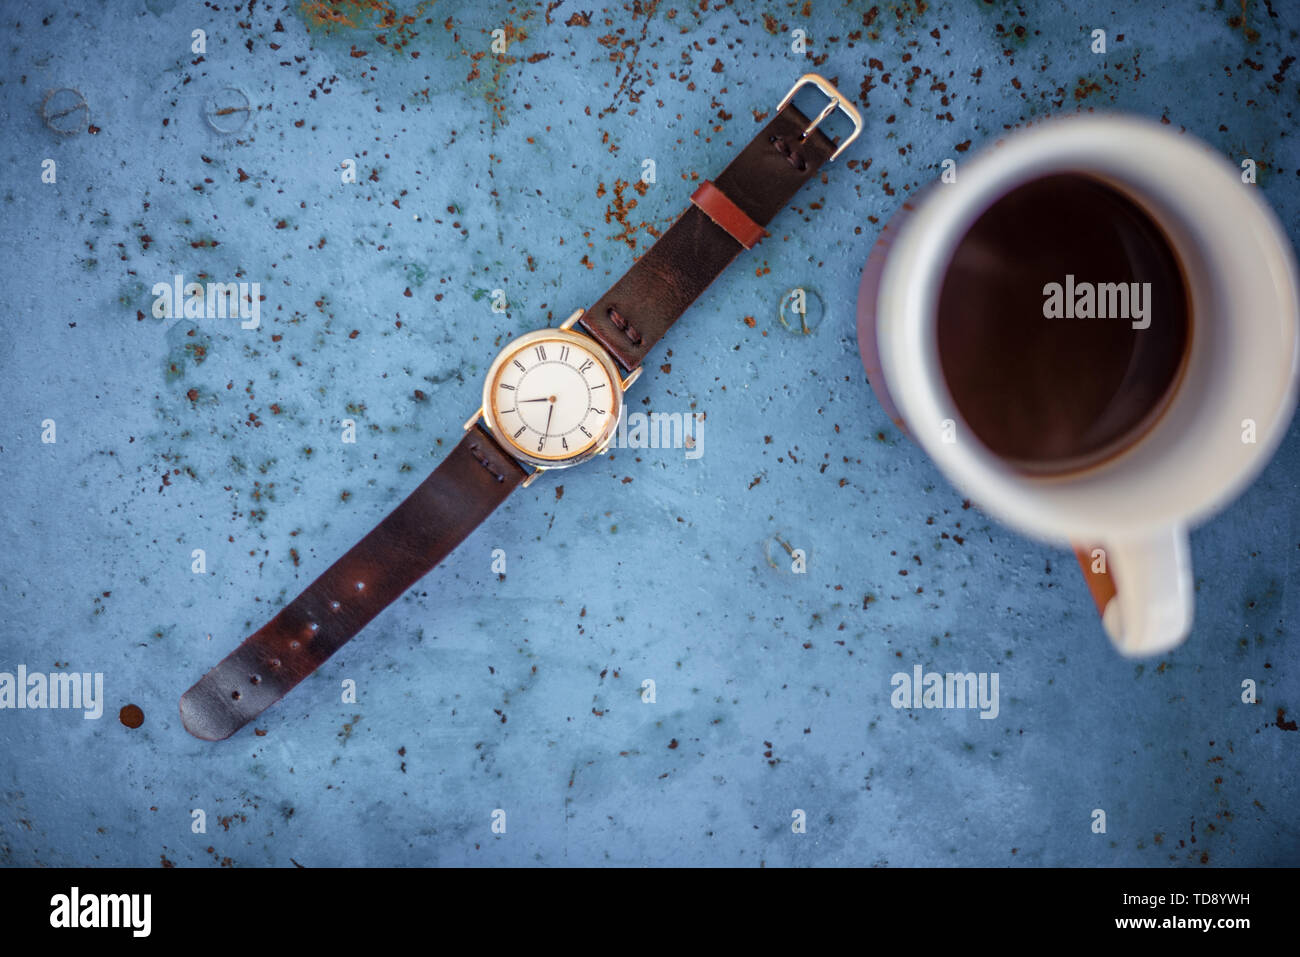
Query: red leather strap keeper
x,y
718,207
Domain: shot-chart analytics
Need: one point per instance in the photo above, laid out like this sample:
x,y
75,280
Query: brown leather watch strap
x,y
646,301
469,484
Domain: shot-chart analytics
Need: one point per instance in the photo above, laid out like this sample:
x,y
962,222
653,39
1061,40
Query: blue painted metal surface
x,y
480,171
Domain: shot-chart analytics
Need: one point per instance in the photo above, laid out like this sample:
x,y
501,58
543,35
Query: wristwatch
x,y
551,400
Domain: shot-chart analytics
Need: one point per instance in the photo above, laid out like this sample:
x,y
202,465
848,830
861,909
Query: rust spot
x,y
620,211
349,727
132,717
1239,23
1085,88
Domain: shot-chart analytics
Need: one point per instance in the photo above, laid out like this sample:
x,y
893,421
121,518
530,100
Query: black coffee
x,y
1063,324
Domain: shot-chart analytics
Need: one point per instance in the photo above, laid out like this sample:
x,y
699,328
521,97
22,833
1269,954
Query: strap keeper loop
x,y
718,206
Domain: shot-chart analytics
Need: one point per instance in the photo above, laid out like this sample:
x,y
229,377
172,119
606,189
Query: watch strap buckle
x,y
837,102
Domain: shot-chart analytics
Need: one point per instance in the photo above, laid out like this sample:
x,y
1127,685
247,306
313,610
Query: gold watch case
x,y
564,333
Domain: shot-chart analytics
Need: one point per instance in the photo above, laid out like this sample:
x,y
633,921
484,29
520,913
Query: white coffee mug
x,y
1127,518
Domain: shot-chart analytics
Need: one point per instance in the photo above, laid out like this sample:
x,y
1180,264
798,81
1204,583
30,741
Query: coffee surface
x,y
1038,324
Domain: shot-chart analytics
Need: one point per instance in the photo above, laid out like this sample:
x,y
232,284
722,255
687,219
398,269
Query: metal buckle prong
x,y
838,102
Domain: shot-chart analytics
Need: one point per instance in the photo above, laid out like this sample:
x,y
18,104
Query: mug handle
x,y
1143,589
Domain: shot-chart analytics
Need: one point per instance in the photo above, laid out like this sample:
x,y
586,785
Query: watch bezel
x,y
586,343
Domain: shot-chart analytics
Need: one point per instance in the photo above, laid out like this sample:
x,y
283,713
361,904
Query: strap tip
x,y
204,723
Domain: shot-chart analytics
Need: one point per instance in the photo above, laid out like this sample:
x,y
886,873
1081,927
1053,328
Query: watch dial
x,y
552,399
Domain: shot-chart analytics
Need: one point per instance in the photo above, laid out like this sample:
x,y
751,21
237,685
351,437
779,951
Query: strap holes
x,y
335,606
361,586
295,645
234,695
254,679
482,460
274,663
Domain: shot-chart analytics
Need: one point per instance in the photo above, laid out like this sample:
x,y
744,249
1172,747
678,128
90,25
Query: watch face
x,y
553,398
